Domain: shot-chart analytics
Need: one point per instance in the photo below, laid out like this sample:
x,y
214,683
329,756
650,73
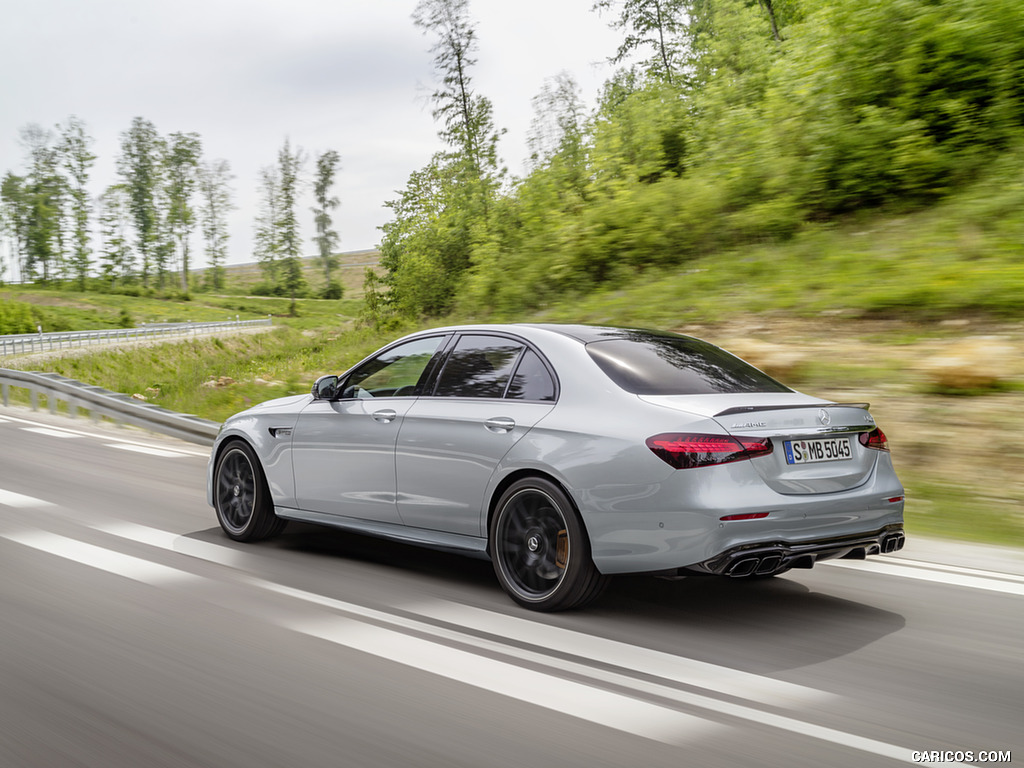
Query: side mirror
x,y
325,388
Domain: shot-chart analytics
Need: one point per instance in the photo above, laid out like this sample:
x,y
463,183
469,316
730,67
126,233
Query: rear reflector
x,y
747,516
686,451
875,439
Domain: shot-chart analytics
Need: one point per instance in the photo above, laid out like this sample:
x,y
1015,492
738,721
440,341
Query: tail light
x,y
686,451
874,439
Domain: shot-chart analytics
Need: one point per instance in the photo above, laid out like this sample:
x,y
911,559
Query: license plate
x,y
813,451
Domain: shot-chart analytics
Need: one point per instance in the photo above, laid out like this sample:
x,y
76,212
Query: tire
x,y
241,497
539,549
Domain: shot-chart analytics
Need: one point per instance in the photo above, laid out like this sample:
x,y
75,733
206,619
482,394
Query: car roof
x,y
579,332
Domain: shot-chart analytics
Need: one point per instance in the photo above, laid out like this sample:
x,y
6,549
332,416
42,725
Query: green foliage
x,y
333,290
793,115
16,317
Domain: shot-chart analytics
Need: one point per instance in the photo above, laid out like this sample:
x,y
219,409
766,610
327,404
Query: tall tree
x,y
267,241
181,164
465,116
326,238
215,195
289,164
656,25
45,191
431,243
16,215
77,159
115,218
140,169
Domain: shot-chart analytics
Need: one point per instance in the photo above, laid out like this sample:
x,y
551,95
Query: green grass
x,y
961,511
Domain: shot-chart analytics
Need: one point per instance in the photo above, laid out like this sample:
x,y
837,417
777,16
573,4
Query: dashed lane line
x,y
35,426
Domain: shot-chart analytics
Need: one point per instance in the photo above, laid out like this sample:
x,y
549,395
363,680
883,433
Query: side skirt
x,y
473,546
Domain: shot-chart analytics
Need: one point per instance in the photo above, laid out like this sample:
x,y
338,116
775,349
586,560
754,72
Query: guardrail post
x,y
33,397
6,393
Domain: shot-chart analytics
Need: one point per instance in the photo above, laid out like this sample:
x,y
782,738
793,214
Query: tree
x,y
181,164
326,238
77,159
215,196
267,241
115,217
653,24
465,116
289,165
140,169
44,193
442,216
16,218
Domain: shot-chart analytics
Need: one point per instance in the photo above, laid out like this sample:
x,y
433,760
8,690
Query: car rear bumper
x,y
766,558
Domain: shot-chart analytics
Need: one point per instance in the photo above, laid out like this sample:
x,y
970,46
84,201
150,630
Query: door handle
x,y
385,416
500,424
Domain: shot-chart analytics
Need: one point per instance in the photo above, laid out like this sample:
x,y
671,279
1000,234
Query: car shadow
x,y
759,626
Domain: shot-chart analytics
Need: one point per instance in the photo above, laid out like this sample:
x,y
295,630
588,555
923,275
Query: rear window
x,y
649,364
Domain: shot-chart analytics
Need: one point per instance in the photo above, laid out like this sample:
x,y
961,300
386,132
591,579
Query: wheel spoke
x,y
532,535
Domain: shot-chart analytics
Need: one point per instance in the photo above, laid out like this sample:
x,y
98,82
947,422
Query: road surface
x,y
134,633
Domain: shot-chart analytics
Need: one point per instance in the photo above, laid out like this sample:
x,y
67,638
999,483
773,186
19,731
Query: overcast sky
x,y
348,75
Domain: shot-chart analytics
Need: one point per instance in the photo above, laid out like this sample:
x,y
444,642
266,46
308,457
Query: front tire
x,y
540,551
241,497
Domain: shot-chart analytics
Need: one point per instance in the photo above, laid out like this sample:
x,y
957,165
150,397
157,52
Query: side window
x,y
393,373
479,366
532,380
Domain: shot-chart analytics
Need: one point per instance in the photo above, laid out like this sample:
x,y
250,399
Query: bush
x,y
333,290
16,317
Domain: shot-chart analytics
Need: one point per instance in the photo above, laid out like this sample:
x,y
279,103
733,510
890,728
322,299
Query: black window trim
x,y
430,388
425,375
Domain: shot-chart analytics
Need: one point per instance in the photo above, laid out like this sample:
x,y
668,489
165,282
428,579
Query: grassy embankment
x,y
864,305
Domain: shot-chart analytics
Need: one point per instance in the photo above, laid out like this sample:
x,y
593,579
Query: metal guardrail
x,y
100,402
27,343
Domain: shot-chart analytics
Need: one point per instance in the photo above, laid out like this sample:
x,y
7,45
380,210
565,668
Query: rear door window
x,y
479,366
532,380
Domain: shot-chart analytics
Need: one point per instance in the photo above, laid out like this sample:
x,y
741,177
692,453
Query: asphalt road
x,y
133,633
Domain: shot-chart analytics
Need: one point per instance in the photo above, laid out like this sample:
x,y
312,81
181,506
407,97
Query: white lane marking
x,y
135,568
161,538
12,499
954,579
667,666
183,545
51,432
612,710
998,575
146,449
112,438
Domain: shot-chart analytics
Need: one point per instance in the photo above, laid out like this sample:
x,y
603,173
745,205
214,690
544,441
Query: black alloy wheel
x,y
241,497
540,550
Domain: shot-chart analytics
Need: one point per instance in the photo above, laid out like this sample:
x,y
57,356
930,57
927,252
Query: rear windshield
x,y
649,364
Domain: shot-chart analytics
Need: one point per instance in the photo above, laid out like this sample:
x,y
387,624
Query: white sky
x,y
348,75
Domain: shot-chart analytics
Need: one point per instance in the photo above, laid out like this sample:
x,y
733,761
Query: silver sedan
x,y
566,454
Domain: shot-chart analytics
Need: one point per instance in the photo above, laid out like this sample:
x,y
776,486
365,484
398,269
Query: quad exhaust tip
x,y
761,565
893,543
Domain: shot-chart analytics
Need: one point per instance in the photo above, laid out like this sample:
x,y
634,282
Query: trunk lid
x,y
816,445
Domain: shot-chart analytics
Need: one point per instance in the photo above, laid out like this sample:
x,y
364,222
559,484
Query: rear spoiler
x,y
754,408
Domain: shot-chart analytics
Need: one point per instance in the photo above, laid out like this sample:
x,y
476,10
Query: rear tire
x,y
540,550
241,497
